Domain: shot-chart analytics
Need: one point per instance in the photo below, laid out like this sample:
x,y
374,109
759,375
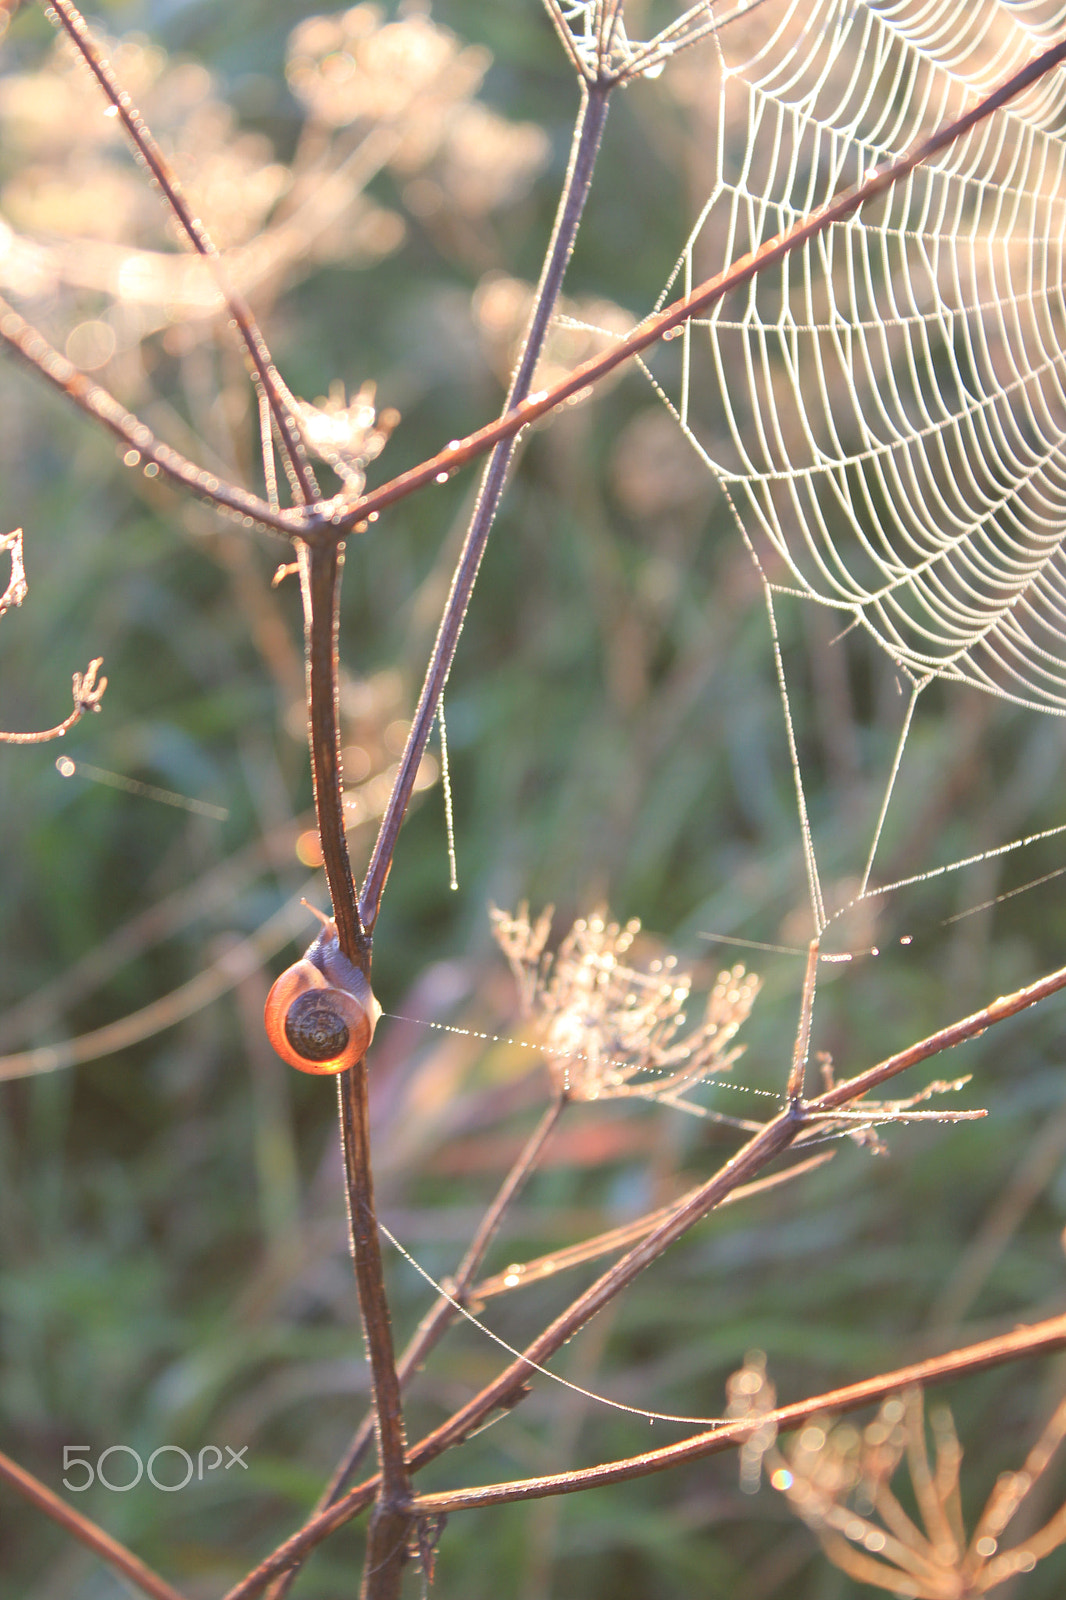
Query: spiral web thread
x,y
887,408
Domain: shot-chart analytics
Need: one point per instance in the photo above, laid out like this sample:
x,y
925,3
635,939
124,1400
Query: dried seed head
x,y
608,1028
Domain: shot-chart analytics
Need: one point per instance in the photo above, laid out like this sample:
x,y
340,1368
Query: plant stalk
x,y
1040,1338
320,568
584,148
74,25
440,1315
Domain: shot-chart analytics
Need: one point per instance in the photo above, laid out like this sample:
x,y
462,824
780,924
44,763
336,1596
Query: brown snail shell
x,y
321,1013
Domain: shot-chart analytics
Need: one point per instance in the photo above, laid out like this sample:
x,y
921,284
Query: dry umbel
x,y
837,1477
609,1029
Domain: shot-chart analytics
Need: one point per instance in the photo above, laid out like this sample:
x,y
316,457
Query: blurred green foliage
x,y
171,1217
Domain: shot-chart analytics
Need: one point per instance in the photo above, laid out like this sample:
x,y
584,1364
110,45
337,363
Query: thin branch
x,y
584,148
17,587
945,1039
73,23
566,38
442,1313
235,964
87,695
1040,1338
512,1185
652,56
87,1532
386,1551
320,585
25,341
212,891
801,1050
602,1244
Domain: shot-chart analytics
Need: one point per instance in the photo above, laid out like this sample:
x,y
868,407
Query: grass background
x,y
171,1217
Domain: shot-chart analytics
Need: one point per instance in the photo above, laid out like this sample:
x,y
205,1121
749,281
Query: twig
x,y
237,963
602,1244
87,696
387,1545
87,1532
17,588
87,692
442,1313
73,23
584,148
955,1033
801,1050
1041,1338
25,341
320,585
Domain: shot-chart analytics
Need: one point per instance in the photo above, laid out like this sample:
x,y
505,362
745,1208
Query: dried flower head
x,y
836,1476
750,1393
16,590
347,434
487,161
355,67
609,1029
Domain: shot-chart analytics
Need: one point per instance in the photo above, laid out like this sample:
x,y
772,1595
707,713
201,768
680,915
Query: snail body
x,y
321,1012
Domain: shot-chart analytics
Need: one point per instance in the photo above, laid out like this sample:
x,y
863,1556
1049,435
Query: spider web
x,y
886,410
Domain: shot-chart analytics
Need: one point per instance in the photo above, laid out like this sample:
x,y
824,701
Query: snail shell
x,y
321,1013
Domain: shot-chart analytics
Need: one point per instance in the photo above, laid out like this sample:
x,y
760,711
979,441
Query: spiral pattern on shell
x,y
315,1028
321,1012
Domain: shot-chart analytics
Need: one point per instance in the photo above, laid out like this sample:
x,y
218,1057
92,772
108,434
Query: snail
x,y
321,1013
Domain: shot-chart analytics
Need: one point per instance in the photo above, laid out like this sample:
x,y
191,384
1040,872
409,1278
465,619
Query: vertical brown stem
x,y
802,1047
440,1314
583,151
386,1553
386,1546
320,567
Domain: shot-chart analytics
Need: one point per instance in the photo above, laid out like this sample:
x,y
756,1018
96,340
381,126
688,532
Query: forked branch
x,y
743,1167
87,693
